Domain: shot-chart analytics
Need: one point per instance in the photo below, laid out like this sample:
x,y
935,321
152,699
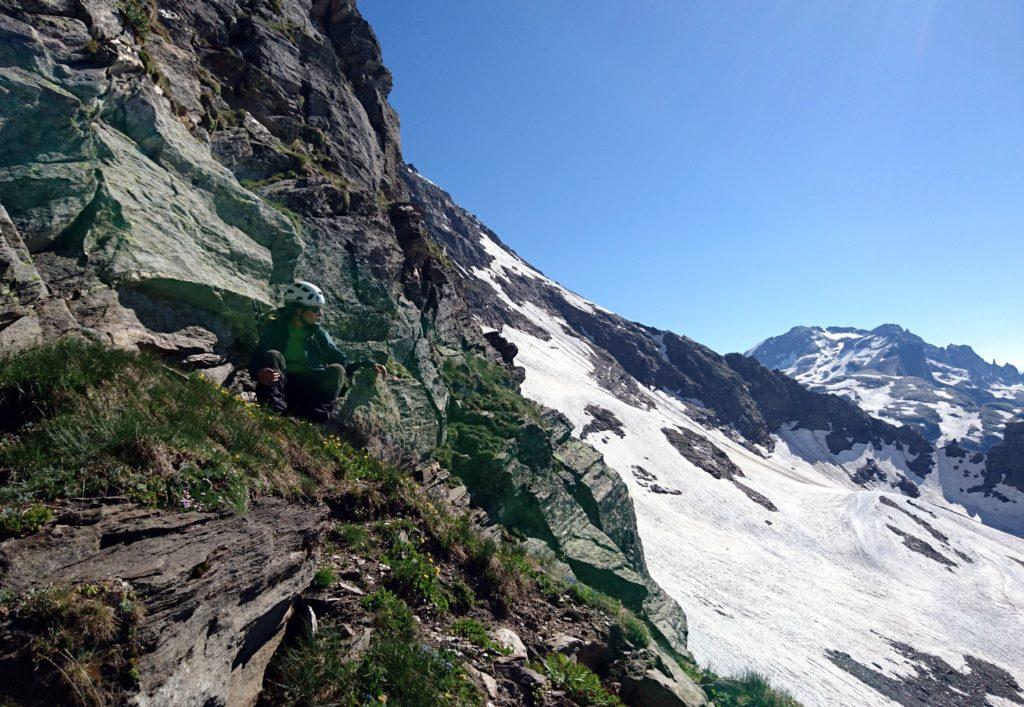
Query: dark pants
x,y
310,393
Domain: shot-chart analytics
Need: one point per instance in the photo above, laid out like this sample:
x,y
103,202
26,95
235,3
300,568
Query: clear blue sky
x,y
728,170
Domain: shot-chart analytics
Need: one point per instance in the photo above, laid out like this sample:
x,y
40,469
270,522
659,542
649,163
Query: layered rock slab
x,y
216,590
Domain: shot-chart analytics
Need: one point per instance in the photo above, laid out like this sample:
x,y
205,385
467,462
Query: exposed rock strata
x,y
216,590
601,421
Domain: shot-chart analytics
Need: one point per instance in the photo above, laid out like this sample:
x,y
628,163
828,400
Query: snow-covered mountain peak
x,y
949,393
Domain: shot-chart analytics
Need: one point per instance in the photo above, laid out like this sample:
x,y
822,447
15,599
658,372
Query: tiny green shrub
x,y
414,574
325,577
474,632
396,369
549,586
293,217
454,535
579,683
382,200
462,594
136,15
390,613
634,630
287,28
594,599
272,179
353,535
18,521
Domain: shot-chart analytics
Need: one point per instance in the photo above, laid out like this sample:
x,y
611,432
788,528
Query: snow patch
x,y
504,260
1008,392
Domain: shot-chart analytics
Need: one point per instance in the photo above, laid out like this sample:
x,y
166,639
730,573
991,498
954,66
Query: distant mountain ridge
x,y
950,393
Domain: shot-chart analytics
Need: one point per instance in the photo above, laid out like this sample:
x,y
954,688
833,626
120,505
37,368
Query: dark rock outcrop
x,y
700,452
782,400
934,682
916,544
703,454
601,420
1004,462
953,450
216,591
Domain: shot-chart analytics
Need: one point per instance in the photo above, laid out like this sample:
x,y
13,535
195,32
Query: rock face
x,y
663,684
216,591
1004,462
160,180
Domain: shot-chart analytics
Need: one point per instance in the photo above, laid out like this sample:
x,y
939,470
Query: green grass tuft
x,y
748,690
634,630
324,578
594,599
580,684
390,613
78,641
392,671
397,668
414,574
476,633
352,535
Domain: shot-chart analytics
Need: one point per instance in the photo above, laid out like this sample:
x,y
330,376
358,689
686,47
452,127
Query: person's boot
x,y
273,395
324,412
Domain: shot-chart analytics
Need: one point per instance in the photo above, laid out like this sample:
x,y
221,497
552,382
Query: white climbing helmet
x,y
304,293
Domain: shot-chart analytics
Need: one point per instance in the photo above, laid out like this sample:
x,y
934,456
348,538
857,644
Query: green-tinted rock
x,y
393,418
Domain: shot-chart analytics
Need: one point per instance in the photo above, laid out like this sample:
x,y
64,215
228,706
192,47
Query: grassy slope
x,y
80,420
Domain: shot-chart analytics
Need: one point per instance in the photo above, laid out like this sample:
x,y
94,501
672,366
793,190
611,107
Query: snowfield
x,y
831,570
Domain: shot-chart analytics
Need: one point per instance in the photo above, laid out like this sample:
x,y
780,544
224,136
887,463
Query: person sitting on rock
x,y
296,365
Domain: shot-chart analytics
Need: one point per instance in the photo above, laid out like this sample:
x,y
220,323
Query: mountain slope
x,y
803,536
950,393
164,169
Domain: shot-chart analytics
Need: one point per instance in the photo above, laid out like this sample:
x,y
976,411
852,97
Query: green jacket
x,y
319,347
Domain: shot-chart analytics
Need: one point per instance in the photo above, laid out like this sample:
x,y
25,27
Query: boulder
x,y
511,642
660,682
485,682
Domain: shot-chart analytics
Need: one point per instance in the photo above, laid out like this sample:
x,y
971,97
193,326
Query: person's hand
x,y
268,376
381,371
